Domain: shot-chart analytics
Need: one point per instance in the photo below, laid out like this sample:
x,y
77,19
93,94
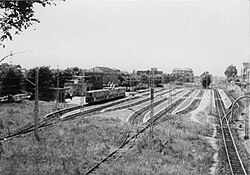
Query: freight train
x,y
102,95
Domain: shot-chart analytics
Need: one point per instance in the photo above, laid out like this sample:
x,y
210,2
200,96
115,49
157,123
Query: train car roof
x,y
98,90
105,89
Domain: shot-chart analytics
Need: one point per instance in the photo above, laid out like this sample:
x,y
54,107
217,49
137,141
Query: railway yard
x,y
189,131
124,87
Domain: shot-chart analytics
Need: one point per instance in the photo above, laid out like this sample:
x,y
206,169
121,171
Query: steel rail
x,y
131,118
235,163
151,122
54,117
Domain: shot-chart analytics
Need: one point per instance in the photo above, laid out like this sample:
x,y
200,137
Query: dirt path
x,y
201,115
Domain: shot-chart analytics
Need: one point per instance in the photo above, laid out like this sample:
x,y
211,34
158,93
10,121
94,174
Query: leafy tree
x,y
231,71
206,79
68,74
46,81
144,78
11,79
166,78
17,15
64,76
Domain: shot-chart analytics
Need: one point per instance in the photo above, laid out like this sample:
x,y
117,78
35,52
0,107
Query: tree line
x,y
15,80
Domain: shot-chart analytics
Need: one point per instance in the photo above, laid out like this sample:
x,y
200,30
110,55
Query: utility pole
x,y
57,90
83,92
36,110
133,81
246,137
151,105
152,95
211,98
131,89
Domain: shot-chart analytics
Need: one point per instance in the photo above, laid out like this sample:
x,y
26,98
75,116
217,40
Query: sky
x,y
205,35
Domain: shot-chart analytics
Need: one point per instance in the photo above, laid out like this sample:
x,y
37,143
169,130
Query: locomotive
x,y
102,95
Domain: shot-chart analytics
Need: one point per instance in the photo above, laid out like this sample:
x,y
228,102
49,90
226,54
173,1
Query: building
x,y
105,74
76,86
94,80
186,73
148,72
61,93
245,72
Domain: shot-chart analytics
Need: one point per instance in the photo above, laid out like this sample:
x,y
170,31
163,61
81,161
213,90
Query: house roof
x,y
103,70
183,69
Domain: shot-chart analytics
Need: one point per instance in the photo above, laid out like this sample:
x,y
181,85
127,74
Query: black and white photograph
x,y
124,87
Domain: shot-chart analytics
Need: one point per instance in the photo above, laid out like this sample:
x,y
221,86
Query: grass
x,y
178,148
16,115
72,147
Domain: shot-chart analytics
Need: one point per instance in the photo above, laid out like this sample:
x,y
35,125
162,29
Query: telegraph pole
x,y
170,93
248,112
211,98
36,110
83,92
151,105
246,137
152,95
57,90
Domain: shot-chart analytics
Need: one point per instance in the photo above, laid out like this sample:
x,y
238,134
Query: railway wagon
x,y
20,97
102,95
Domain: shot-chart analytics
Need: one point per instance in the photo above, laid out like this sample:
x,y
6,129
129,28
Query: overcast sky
x,y
205,35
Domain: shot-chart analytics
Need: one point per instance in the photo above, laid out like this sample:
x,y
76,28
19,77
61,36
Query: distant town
x,y
76,81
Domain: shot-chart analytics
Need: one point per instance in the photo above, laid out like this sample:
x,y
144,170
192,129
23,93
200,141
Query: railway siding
x,y
161,107
186,103
131,140
135,101
157,102
226,101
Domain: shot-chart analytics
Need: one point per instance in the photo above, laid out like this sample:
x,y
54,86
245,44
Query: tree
x,y
231,71
46,82
17,15
206,79
11,79
144,78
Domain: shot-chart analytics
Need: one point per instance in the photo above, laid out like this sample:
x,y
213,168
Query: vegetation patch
x,y
67,148
178,146
16,115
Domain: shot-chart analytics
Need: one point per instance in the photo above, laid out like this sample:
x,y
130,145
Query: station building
x,y
93,79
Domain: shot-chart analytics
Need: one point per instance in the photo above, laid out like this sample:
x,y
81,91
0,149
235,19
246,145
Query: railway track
x,y
54,117
233,157
134,103
130,142
138,115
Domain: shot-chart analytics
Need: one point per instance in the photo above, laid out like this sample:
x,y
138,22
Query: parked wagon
x,y
102,95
